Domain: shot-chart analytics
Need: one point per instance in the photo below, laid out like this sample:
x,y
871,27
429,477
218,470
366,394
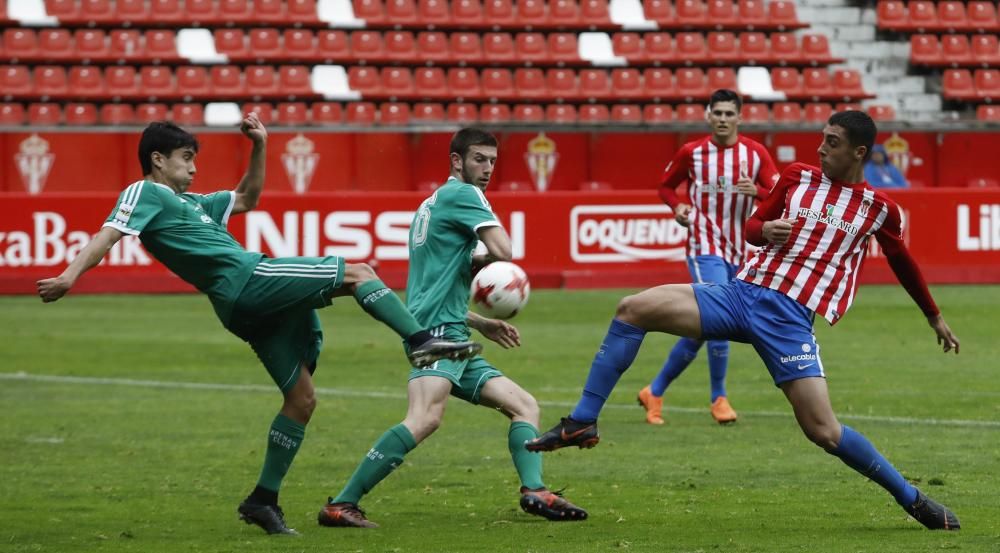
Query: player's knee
x,y
524,407
300,407
824,435
629,310
423,425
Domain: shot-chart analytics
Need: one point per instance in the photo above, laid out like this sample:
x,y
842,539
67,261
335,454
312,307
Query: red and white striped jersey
x,y
819,264
718,211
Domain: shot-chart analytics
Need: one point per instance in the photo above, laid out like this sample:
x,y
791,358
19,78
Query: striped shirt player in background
x,y
725,173
814,229
268,302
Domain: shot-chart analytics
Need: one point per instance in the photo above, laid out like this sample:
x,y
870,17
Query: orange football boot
x,y
652,404
722,412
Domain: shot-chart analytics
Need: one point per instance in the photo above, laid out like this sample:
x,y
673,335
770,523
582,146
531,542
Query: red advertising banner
x,y
562,239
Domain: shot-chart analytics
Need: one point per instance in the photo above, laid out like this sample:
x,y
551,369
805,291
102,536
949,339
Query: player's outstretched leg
x,y
718,363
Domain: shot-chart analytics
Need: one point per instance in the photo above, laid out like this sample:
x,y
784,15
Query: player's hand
x,y
51,289
253,128
945,337
744,185
682,214
778,230
500,332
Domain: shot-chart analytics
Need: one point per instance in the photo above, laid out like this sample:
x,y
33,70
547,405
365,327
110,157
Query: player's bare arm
x,y
51,289
497,243
252,184
499,331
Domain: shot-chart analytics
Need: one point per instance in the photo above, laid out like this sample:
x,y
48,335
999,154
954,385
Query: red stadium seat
x,y
117,114
817,112
463,83
532,14
847,83
498,84
156,81
659,11
691,84
500,13
397,82
467,13
593,186
15,80
126,44
816,82
331,45
147,113
659,83
753,16
595,84
166,11
955,50
293,113
847,106
785,49
131,10
755,113
44,114
923,16
19,44
192,115
528,113
361,113
594,113
561,114
629,46
367,46
65,10
722,14
399,12
494,113
721,77
434,13
951,15
523,186
433,47
56,43
892,14
50,80
462,113
982,16
262,81
193,82
201,12
400,46
365,80
300,44
372,11
264,111
925,50
327,113
86,81
985,50
232,43
659,48
12,114
881,113
787,112
690,13
265,43
781,13
227,81
987,84
982,182
722,47
161,45
656,114
430,82
466,46
563,48
627,84
564,14
236,11
529,83
531,47
427,112
690,113
988,113
269,11
394,113
754,48
626,113
499,48
691,48
561,84
816,48
121,82
787,80
96,11
301,11
595,13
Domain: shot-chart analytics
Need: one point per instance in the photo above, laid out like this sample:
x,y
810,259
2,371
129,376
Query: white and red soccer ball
x,y
500,290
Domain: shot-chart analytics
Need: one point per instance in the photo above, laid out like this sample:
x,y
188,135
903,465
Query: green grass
x,y
135,467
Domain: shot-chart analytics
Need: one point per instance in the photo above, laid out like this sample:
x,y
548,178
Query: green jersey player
x,y
269,303
443,236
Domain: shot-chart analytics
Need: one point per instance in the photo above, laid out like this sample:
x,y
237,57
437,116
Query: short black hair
x,y
163,137
726,95
860,127
465,138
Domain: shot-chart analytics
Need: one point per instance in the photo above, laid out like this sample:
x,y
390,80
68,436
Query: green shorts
x,y
467,377
276,312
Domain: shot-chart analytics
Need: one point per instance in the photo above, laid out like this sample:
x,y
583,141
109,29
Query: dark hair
x,y
726,95
163,137
466,138
861,130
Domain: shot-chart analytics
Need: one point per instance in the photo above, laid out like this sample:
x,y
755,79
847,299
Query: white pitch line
x,y
344,392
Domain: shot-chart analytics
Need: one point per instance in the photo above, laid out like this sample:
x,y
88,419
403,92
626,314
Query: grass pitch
x,y
137,423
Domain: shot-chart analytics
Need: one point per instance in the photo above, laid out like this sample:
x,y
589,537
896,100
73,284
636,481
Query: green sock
x,y
527,463
383,458
283,443
381,303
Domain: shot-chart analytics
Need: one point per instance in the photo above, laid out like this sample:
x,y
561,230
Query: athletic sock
x,y
858,453
615,356
527,463
283,442
384,305
718,362
683,352
383,458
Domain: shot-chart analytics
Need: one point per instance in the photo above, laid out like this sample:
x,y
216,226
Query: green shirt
x,y
443,236
187,233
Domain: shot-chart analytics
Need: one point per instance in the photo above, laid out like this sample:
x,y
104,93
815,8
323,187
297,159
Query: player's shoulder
x,y
143,189
797,171
690,146
880,196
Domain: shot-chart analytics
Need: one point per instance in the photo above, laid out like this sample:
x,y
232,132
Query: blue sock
x,y
718,362
858,453
616,354
683,352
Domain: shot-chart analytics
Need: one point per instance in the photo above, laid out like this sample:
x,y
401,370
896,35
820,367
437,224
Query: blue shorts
x,y
710,268
780,329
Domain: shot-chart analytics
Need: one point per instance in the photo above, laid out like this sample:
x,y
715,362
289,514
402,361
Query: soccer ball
x,y
500,290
